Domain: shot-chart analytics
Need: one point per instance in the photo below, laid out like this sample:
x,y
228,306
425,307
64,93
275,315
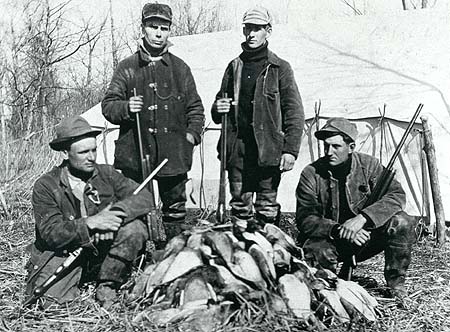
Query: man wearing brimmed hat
x,y
334,223
159,87
83,204
265,121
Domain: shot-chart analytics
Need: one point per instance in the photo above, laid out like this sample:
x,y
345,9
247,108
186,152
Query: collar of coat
x,y
146,57
62,170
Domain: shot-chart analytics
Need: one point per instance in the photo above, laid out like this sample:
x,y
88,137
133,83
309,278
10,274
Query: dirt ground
x,y
427,309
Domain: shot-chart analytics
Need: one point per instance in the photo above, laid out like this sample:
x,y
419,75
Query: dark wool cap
x,y
159,10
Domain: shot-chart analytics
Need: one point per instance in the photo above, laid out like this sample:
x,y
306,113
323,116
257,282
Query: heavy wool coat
x,y
278,116
60,228
172,108
318,196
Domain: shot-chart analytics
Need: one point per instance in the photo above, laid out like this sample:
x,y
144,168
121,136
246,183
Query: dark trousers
x,y
172,191
247,180
395,238
111,264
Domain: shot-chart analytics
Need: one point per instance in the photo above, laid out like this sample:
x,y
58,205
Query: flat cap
x,y
158,10
257,15
337,125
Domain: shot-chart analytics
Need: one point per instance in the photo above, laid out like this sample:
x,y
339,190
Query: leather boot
x,y
400,237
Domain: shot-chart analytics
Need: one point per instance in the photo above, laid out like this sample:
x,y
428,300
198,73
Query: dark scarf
x,y
340,173
254,54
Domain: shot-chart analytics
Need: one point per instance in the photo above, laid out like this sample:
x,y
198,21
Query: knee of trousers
x,y
400,229
130,239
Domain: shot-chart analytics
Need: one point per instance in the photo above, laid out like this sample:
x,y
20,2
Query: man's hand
x,y
361,237
351,228
287,162
106,220
223,105
107,236
190,138
135,104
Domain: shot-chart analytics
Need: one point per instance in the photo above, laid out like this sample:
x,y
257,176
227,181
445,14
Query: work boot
x,y
400,233
106,294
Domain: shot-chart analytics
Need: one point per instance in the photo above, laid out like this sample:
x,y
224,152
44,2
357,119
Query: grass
x,y
428,284
428,281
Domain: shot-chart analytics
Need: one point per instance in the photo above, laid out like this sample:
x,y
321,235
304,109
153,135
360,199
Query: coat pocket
x,y
125,154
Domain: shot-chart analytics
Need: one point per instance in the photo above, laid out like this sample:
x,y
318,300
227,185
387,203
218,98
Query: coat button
x,y
71,218
35,267
153,107
166,107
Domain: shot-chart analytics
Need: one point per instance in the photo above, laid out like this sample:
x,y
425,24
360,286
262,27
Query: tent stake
x,y
434,182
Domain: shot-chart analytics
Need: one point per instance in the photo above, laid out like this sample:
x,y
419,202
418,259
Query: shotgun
x,y
384,181
221,206
40,290
155,226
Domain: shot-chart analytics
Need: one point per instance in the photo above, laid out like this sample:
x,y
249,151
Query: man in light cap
x,y
83,204
334,223
265,123
159,87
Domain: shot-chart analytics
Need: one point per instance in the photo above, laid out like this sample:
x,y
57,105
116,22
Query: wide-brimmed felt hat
x,y
158,10
71,129
337,125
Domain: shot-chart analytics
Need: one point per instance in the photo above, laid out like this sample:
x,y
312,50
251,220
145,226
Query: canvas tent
x,y
357,67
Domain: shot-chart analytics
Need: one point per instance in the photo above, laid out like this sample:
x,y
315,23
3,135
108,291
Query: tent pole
x,y
425,189
434,182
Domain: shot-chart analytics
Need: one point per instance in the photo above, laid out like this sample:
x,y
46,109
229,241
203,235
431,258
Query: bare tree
x,y
43,44
203,16
353,7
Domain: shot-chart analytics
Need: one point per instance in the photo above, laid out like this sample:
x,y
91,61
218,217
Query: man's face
x,y
336,150
256,35
82,154
156,31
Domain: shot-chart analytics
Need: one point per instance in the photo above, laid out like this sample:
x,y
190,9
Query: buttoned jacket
x,y
172,108
317,196
60,227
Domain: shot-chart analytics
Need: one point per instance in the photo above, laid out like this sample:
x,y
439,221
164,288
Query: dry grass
x,y
428,281
427,310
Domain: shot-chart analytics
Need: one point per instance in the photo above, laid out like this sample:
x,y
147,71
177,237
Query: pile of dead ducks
x,y
211,271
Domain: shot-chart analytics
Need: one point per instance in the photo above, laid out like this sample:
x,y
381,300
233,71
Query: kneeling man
x,y
83,204
333,221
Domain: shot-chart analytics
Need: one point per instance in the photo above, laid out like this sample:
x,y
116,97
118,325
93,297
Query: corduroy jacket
x,y
172,108
318,196
278,116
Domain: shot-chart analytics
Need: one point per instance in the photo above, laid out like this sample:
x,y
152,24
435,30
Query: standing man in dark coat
x,y
160,87
265,121
83,204
333,221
